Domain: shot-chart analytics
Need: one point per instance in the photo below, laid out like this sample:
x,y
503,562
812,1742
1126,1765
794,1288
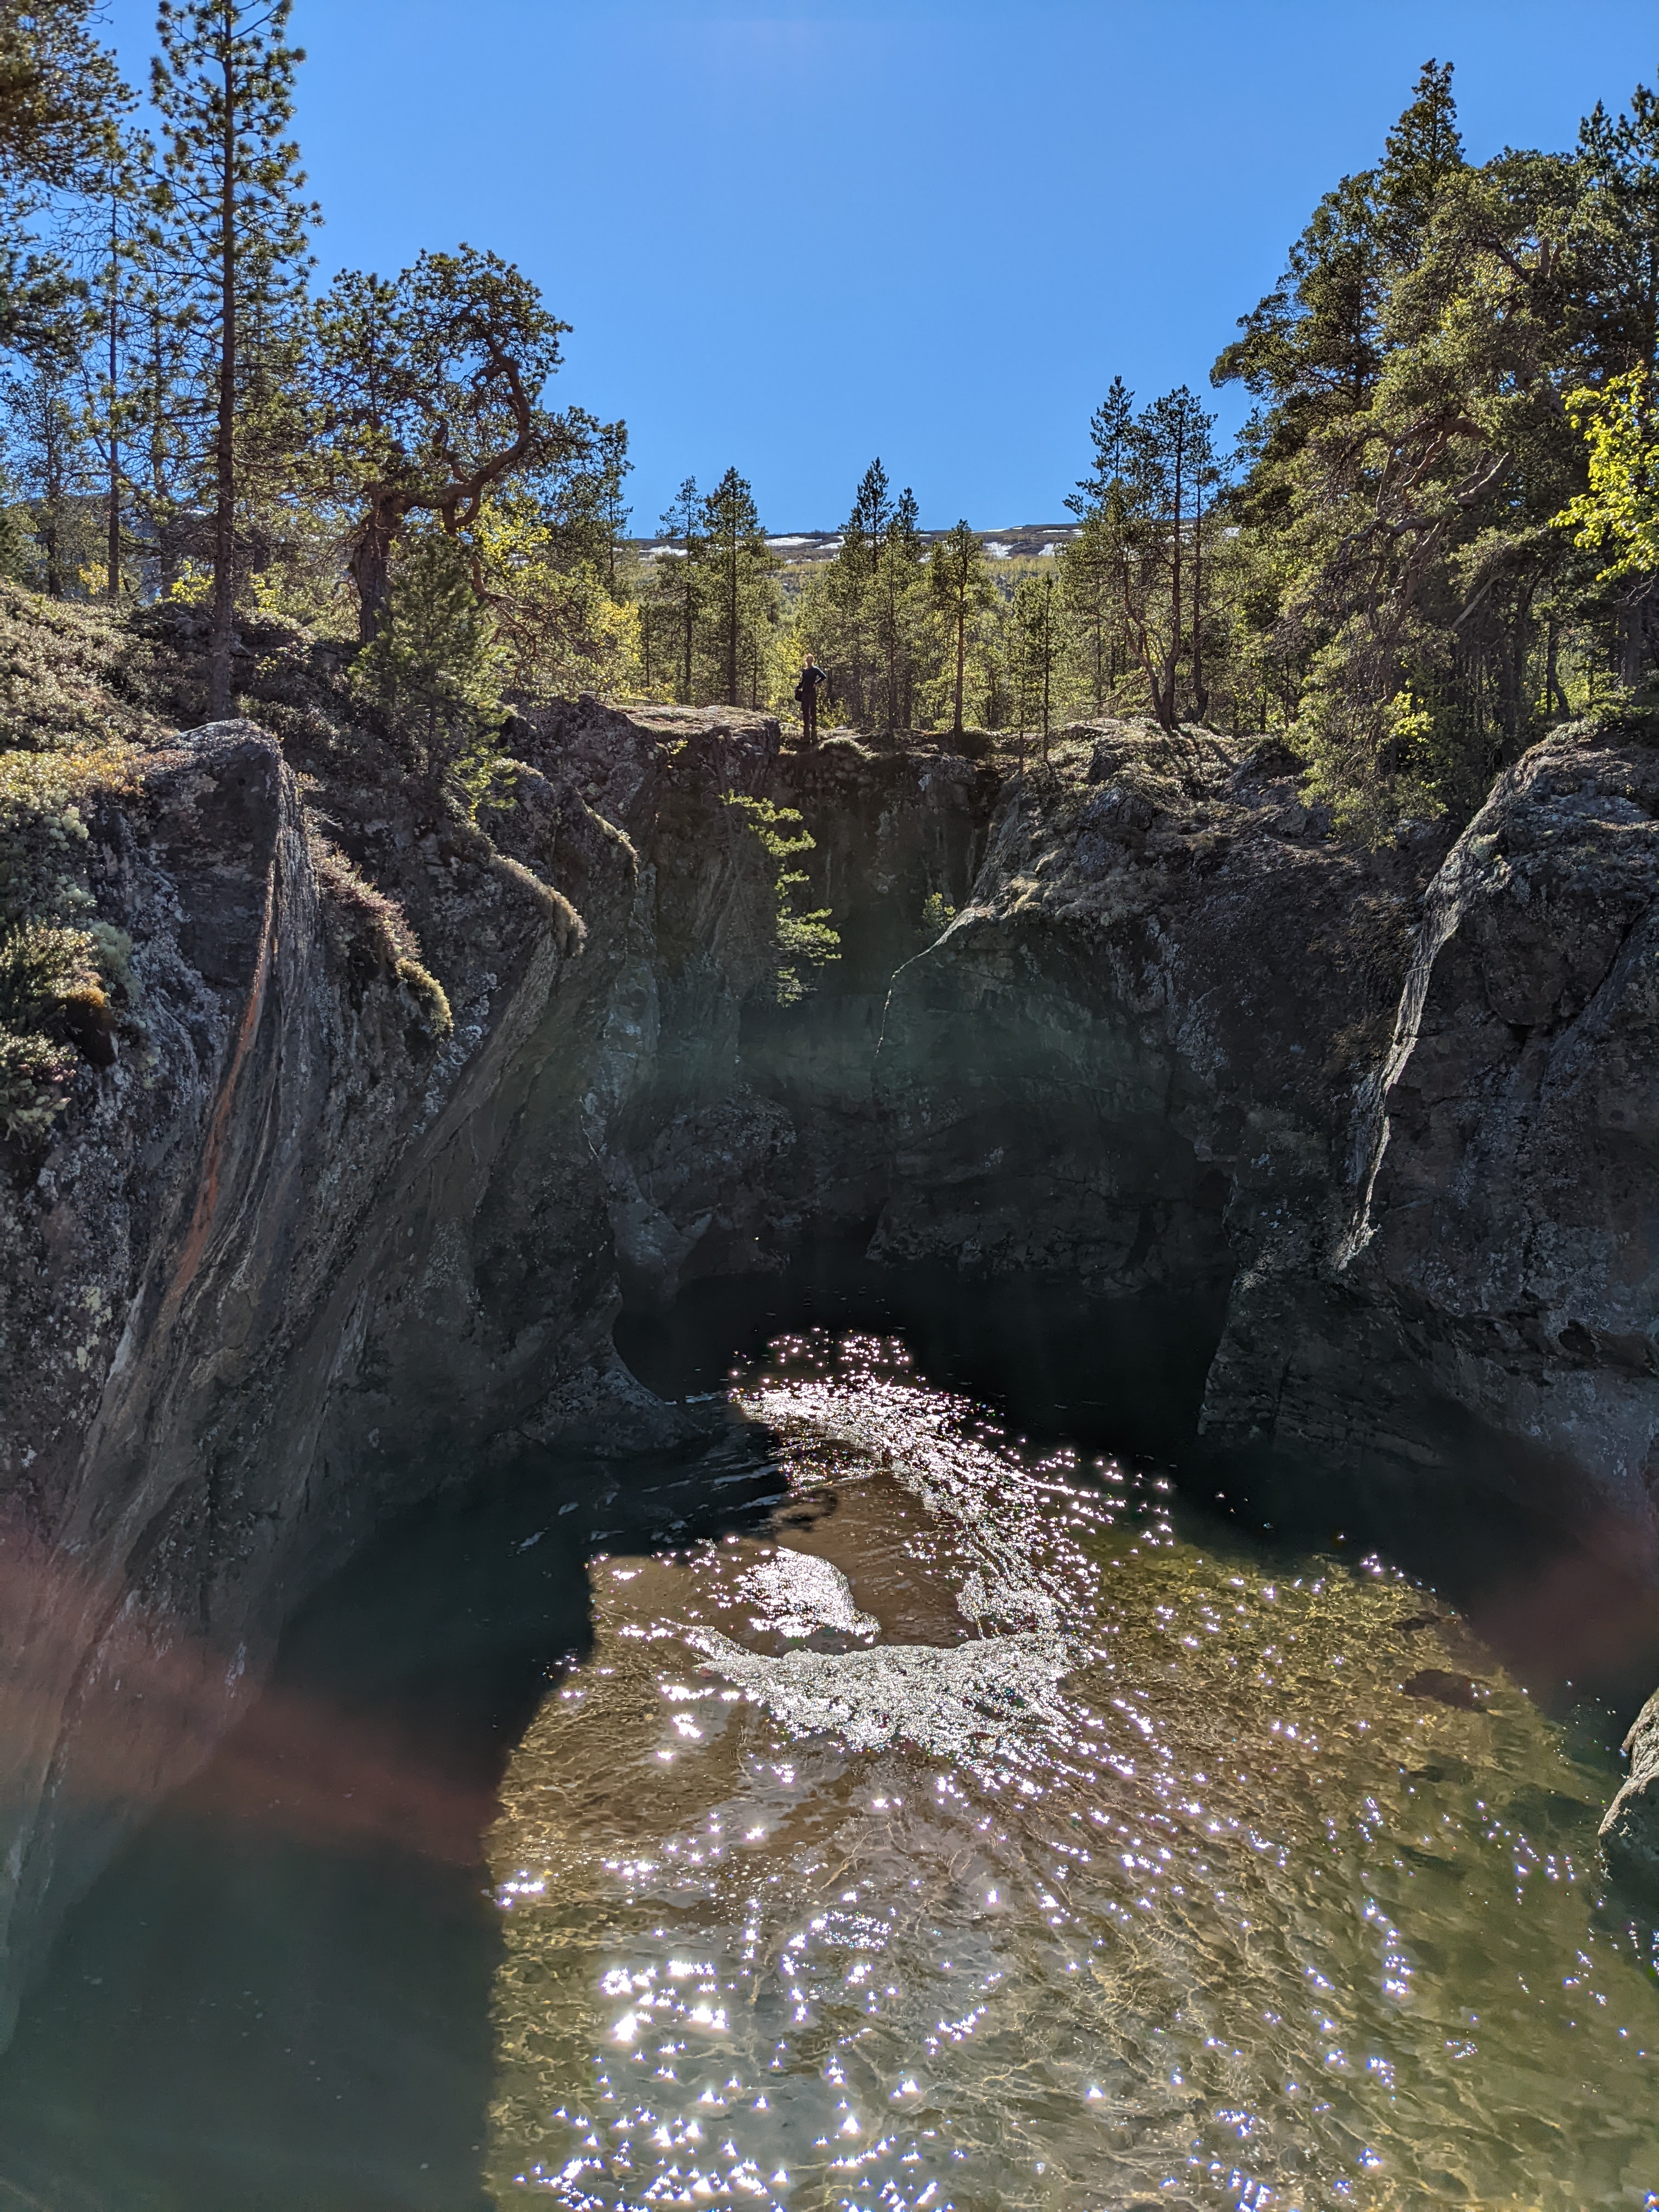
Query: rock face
x,y
296,1257
1630,1833
1180,1039
301,1253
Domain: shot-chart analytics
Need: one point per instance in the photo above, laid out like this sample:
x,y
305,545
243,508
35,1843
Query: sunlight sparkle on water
x,y
960,1791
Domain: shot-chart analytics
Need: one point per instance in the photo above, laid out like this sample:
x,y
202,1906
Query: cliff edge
x,y
397,1112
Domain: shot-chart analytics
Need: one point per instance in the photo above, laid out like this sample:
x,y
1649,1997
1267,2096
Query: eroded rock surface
x,y
298,1255
1403,1115
295,1257
1630,1833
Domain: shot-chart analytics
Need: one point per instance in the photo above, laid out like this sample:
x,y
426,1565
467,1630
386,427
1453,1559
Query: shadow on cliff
x,y
1558,1585
1119,1375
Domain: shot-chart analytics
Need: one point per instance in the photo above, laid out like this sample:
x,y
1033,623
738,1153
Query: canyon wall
x,y
311,1245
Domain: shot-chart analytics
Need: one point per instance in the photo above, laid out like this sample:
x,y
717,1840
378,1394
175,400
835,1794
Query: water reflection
x,y
961,1837
876,1811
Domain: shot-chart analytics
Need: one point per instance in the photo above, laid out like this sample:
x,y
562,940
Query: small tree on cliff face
x,y
431,388
230,206
962,590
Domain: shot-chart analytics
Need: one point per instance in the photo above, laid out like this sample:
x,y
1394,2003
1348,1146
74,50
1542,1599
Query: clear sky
x,y
796,233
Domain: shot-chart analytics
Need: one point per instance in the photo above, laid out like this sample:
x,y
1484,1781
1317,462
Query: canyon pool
x,y
879,1805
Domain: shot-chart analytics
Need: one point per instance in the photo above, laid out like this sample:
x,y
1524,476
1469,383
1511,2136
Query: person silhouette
x,y
813,681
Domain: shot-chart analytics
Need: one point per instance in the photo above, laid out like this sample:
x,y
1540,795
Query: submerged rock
x,y
988,1703
1446,1688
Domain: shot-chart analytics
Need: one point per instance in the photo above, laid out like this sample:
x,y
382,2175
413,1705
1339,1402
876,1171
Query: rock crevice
x,y
1132,1020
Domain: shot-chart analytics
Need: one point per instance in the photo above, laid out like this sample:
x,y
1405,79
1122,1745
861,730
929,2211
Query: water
x,y
879,1811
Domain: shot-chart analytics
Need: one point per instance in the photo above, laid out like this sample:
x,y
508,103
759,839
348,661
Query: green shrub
x,y
804,939
51,998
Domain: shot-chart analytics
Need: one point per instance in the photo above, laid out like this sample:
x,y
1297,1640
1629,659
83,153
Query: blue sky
x,y
795,233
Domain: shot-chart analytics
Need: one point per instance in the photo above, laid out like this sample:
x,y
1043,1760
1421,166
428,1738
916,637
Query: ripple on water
x,y
969,1840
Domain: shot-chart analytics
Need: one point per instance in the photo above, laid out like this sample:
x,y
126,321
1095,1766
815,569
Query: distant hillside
x,y
804,549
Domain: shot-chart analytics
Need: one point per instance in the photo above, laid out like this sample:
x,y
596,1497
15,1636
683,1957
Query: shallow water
x,y
892,1813
962,1838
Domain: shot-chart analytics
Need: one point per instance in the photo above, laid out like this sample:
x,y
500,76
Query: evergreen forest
x,y
1437,533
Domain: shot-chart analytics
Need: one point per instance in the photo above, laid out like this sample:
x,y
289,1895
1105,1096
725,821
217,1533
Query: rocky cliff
x,y
316,1241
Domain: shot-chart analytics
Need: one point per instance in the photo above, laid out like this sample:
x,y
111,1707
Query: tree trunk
x,y
732,629
1166,715
224,520
1200,696
962,658
370,566
114,559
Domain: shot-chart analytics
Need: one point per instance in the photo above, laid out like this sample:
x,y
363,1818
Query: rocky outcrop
x,y
1629,1833
1134,1019
303,1251
1181,1038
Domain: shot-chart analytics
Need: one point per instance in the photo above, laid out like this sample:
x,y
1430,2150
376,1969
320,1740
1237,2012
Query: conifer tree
x,y
229,200
61,102
677,579
1037,646
1088,585
866,525
960,583
1424,150
430,388
51,458
743,604
899,594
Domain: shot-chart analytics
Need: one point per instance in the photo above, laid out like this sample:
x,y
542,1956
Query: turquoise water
x,y
962,1836
876,1810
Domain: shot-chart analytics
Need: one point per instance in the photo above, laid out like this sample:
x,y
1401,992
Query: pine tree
x,y
430,392
899,597
851,604
230,205
1089,584
61,102
678,579
59,93
961,588
1037,623
1422,151
866,525
742,598
52,462
433,668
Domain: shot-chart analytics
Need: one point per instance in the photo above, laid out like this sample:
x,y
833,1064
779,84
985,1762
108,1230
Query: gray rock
x,y
1629,1833
291,1261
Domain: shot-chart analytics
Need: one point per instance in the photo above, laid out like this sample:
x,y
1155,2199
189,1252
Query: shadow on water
x,y
1122,1376
1554,1586
279,1995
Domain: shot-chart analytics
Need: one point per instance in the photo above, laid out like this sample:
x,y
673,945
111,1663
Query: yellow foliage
x,y
559,630
1620,508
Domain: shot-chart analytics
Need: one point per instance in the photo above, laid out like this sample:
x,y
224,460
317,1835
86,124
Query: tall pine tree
x,y
229,201
743,596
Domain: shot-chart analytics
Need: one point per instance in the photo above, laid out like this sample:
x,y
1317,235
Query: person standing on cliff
x,y
813,681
